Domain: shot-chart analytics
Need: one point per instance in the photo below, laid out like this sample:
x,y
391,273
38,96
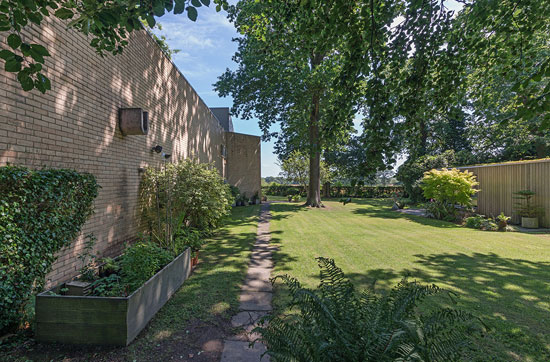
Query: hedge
x,y
41,211
336,191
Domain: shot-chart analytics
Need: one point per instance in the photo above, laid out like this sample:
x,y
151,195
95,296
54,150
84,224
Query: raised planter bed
x,y
108,320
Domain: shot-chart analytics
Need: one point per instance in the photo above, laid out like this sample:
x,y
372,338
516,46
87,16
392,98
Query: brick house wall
x,y
243,162
75,125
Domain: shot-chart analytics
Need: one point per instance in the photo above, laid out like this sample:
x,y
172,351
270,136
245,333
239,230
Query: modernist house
x,y
104,116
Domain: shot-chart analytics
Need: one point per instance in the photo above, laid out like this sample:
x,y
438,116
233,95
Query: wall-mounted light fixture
x,y
133,121
157,149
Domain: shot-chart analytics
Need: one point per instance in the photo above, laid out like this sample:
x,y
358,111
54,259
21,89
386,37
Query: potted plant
x,y
525,209
502,221
189,238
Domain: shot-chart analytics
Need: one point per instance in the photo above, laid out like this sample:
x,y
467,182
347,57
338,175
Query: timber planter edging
x,y
108,320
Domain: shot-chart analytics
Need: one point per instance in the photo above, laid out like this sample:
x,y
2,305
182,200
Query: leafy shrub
x,y
141,261
447,188
474,222
235,192
502,221
335,323
188,237
296,198
482,223
411,172
336,191
185,194
109,286
41,211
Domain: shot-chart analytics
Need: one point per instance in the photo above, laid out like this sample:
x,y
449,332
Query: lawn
x,y
193,322
504,278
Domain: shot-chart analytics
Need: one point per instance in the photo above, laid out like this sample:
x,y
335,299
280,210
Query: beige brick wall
x,y
75,126
244,162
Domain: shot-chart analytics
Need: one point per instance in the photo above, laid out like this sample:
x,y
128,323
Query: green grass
x,y
212,292
504,278
200,310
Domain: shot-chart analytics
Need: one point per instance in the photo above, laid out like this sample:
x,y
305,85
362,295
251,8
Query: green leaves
x,y
64,13
192,13
40,212
179,7
335,322
107,23
14,41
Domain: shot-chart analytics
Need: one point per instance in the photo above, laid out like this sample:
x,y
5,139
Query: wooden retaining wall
x,y
498,182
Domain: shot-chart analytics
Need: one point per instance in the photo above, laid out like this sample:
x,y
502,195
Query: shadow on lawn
x,y
196,318
511,295
381,208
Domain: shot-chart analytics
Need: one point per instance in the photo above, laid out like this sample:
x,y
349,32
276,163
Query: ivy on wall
x,y
41,211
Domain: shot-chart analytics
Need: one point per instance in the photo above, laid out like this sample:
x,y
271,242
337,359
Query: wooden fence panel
x,y
498,182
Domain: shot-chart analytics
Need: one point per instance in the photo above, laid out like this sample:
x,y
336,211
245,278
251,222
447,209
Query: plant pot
x,y
195,259
530,222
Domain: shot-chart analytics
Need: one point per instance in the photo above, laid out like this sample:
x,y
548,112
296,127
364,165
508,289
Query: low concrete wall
x,y
107,320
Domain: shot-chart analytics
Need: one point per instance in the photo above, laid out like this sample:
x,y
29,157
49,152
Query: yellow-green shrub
x,y
449,186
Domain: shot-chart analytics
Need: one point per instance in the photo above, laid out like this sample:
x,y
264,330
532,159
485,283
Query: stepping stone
x,y
261,263
246,318
247,321
257,285
238,351
255,298
255,301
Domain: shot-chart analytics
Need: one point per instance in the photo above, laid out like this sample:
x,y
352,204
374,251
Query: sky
x,y
206,49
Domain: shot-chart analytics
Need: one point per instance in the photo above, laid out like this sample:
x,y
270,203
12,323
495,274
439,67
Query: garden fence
x,y
498,182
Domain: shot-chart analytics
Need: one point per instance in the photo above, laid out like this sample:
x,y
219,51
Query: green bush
x,y
412,171
188,237
187,194
447,188
41,211
474,222
140,262
336,323
487,224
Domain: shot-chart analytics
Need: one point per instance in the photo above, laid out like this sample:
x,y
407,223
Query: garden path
x,y
255,298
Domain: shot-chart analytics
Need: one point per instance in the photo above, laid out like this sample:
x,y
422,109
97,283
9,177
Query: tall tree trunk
x,y
314,189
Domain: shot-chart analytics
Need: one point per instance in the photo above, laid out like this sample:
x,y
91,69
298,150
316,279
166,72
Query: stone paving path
x,y
255,298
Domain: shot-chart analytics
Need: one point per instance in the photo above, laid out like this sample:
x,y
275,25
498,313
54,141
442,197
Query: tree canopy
x,y
108,23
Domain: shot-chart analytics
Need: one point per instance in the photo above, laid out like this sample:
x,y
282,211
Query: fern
x,y
336,323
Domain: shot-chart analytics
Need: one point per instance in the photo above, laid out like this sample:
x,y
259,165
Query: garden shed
x,y
498,182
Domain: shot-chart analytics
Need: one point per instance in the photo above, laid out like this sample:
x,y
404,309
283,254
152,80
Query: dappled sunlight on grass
x,y
220,308
501,277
